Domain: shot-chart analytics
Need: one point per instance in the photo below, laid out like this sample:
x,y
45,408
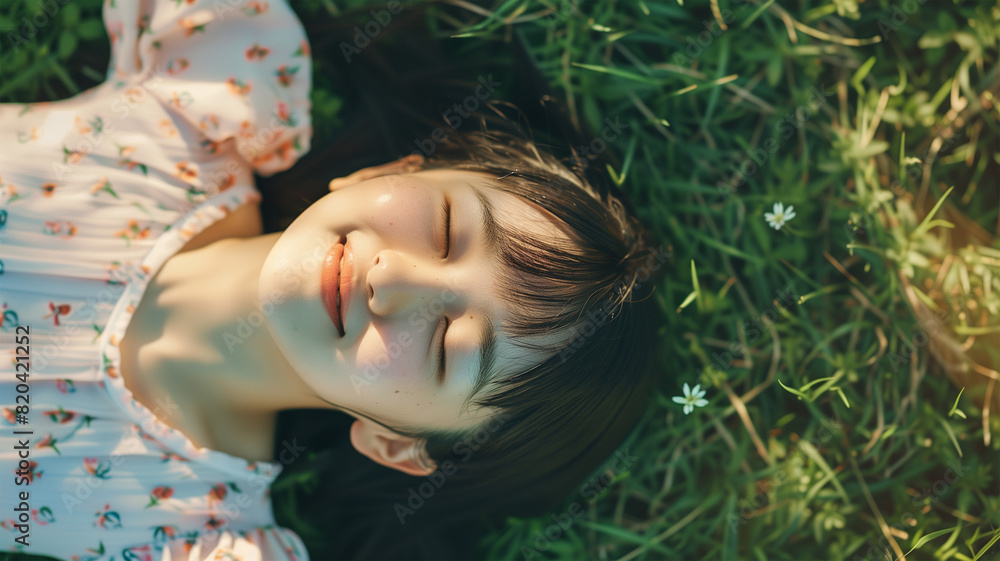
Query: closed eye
x,y
446,226
440,351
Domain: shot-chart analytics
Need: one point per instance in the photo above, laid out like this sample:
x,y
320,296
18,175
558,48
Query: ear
x,y
388,448
406,164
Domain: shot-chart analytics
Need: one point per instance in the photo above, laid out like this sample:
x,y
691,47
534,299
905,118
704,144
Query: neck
x,y
198,340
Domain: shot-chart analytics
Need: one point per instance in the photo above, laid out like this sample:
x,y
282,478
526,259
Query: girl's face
x,y
416,275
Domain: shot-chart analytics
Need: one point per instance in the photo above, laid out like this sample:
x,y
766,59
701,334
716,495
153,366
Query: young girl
x,y
479,315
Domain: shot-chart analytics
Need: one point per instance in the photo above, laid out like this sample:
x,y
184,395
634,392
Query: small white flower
x,y
780,215
691,398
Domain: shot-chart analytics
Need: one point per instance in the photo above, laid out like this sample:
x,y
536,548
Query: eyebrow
x,y
488,348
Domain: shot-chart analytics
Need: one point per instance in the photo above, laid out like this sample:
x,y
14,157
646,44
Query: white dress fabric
x,y
96,193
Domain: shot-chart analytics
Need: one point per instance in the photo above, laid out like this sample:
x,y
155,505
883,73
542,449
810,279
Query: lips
x,y
331,285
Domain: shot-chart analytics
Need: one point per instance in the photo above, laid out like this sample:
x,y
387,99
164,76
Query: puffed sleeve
x,y
260,544
235,70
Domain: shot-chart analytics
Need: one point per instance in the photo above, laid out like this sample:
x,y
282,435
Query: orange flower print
x,y
8,190
256,52
48,441
110,368
255,8
226,555
142,552
60,415
48,189
103,185
237,87
228,182
8,415
56,311
125,153
7,316
163,533
134,95
132,232
116,276
303,49
167,456
186,172
262,159
115,31
107,518
209,121
71,157
285,74
190,27
213,523
159,493
180,99
96,126
25,137
42,515
62,228
30,473
284,115
209,145
167,128
97,468
177,65
65,385
219,491
246,131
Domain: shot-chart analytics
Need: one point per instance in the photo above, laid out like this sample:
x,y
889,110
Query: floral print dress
x,y
96,193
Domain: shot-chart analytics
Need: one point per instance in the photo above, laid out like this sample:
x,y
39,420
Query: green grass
x,y
822,437
828,347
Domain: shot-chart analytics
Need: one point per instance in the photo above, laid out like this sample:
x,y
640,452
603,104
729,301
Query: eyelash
x,y
440,351
446,218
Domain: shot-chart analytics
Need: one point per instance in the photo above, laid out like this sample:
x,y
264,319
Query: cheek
x,y
402,213
389,357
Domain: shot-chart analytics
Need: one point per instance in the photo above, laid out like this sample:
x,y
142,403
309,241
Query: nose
x,y
400,283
